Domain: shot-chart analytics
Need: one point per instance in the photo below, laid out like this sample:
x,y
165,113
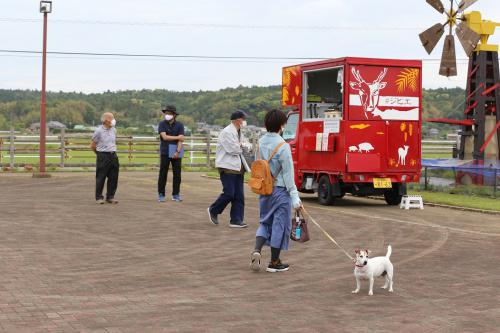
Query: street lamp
x,y
45,8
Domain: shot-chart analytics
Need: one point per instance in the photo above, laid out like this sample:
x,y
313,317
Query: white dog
x,y
370,268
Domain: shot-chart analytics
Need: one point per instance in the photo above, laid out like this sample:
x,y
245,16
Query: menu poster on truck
x,y
384,93
331,126
319,141
324,144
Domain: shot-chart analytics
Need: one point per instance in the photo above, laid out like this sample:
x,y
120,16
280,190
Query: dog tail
x,y
389,251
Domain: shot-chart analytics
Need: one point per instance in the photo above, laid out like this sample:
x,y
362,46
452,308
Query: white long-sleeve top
x,y
228,153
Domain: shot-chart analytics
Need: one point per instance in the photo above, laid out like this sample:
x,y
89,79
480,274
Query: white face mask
x,y
168,117
113,123
244,123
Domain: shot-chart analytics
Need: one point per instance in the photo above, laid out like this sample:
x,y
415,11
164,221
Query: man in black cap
x,y
228,160
171,151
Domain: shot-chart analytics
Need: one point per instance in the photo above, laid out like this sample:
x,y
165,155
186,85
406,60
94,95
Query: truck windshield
x,y
291,127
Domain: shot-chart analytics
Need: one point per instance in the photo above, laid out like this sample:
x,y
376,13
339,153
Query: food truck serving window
x,y
324,92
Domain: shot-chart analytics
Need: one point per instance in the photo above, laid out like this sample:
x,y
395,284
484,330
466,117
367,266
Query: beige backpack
x,y
261,181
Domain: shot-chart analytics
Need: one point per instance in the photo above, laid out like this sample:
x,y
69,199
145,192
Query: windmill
x,y
481,115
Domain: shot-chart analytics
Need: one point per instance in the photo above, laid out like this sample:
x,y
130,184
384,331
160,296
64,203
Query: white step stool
x,y
411,201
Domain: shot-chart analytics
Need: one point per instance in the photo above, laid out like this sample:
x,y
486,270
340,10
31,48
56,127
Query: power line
x,y
209,25
149,55
185,57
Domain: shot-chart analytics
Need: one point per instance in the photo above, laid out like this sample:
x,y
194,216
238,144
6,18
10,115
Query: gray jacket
x,y
228,154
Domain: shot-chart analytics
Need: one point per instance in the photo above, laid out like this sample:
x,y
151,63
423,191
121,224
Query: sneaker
x,y
99,201
161,197
277,266
255,261
212,217
238,225
112,201
176,198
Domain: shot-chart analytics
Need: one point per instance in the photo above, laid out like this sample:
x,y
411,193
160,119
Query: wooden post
x,y
495,183
455,175
209,140
425,178
11,148
255,143
130,145
62,146
1,146
191,153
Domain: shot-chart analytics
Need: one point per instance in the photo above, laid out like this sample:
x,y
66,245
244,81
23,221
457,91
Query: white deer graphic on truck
x,y
368,92
369,98
402,151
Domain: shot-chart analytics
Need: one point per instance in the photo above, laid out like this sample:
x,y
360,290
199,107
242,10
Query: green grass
x,y
75,157
436,155
459,200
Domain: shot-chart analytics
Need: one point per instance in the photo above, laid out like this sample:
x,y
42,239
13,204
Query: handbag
x,y
300,232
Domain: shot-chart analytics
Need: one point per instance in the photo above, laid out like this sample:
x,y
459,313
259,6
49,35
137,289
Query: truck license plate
x,y
382,183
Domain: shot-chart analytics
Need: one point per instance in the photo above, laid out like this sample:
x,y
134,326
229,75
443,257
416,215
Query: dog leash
x,y
328,235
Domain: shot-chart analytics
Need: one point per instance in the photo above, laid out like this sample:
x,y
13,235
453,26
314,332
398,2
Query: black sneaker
x,y
238,225
255,260
277,266
212,217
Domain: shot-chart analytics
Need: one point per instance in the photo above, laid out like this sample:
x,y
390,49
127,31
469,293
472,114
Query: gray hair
x,y
105,115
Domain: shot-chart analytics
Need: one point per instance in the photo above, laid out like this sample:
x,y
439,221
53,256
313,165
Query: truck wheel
x,y
392,197
325,196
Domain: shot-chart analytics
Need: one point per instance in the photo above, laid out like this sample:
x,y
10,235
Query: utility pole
x,y
45,8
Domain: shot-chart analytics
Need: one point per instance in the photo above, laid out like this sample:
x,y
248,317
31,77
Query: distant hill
x,y
140,107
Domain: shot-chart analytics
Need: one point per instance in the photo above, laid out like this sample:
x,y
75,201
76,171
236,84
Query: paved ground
x,y
67,265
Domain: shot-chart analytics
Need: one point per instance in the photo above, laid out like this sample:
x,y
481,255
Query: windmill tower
x,y
480,134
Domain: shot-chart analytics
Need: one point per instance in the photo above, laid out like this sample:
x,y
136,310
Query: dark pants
x,y
162,178
107,166
232,192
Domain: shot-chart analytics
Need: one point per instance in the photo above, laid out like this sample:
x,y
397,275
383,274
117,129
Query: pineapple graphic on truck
x,y
354,126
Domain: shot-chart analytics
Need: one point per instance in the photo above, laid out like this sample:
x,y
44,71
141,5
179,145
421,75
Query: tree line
x,y
136,108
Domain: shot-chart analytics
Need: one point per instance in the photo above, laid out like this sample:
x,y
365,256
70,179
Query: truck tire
x,y
392,197
325,195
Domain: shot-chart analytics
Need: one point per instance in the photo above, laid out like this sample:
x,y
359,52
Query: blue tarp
x,y
489,170
453,163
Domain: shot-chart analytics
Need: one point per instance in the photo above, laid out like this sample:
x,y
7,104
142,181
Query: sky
x,y
258,28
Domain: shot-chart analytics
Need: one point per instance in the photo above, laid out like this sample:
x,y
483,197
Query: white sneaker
x,y
255,261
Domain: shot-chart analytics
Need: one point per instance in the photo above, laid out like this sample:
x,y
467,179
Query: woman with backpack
x,y
275,209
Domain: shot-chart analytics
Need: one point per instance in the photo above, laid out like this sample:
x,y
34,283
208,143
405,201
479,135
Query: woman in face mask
x,y
171,150
275,209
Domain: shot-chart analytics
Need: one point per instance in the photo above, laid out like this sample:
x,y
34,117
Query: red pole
x,y
43,125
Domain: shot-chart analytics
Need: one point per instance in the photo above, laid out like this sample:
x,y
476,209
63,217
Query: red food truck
x,y
354,126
